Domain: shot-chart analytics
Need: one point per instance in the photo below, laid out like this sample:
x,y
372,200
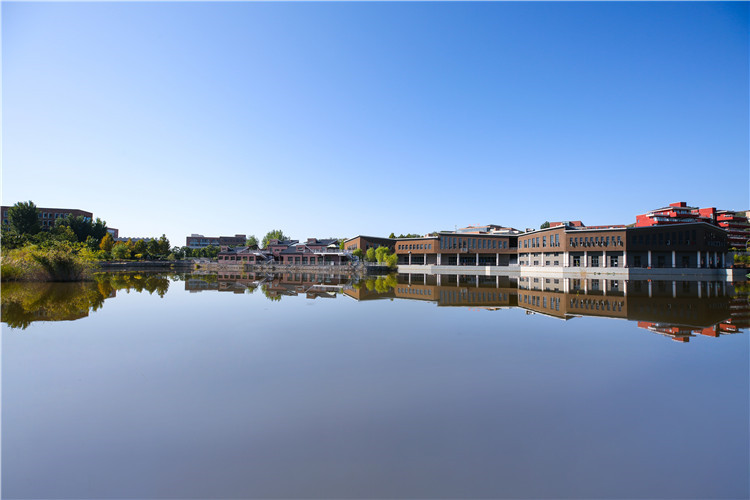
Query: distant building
x,y
366,242
113,232
488,229
48,216
199,241
314,252
734,223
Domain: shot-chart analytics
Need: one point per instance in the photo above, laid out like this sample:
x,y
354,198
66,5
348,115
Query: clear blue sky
x,y
337,119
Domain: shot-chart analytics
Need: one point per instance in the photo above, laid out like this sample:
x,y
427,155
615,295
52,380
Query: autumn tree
x,y
107,243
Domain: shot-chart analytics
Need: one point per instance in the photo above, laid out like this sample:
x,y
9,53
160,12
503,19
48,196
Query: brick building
x,y
48,216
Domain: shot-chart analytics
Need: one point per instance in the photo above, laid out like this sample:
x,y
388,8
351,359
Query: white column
x,y
477,281
649,261
477,260
716,259
410,259
438,280
497,281
585,258
674,258
604,287
565,259
541,259
458,259
497,259
624,288
604,258
699,265
439,259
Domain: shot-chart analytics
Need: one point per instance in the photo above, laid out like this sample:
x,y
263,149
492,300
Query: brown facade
x,y
366,242
689,245
48,216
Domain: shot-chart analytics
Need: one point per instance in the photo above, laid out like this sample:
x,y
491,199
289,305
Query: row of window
x,y
554,241
669,238
451,242
414,246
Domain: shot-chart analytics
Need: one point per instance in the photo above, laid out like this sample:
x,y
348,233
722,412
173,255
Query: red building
x,y
734,223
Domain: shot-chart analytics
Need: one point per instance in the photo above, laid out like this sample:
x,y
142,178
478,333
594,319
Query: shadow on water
x,y
26,302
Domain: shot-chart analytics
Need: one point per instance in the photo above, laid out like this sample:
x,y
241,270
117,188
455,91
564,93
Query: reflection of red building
x,y
683,333
735,224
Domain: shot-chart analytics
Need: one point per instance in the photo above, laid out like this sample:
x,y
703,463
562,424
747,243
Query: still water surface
x,y
288,386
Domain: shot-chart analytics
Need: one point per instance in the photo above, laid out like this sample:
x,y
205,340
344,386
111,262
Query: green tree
x,y
392,260
23,218
252,241
275,234
545,225
84,228
163,245
120,251
107,243
392,235
381,253
139,248
370,255
358,253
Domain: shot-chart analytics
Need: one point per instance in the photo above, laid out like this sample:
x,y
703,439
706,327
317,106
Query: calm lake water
x,y
256,386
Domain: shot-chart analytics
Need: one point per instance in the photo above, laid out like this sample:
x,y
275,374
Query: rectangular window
x,y
544,241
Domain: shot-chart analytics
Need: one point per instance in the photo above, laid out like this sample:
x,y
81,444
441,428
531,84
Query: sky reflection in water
x,y
219,395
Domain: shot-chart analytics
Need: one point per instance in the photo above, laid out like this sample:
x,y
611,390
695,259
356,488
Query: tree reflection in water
x,y
24,302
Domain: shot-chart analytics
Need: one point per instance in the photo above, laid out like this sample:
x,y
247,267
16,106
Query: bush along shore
x,y
60,262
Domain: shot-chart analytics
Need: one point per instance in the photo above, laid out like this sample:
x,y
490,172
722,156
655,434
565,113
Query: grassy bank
x,y
56,263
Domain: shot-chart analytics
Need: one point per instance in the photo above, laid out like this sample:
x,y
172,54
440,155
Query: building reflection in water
x,y
678,309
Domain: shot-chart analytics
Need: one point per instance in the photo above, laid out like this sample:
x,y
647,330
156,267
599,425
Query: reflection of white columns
x,y
497,281
649,287
438,279
649,261
458,259
604,282
624,288
585,286
566,285
409,279
674,258
699,289
716,259
698,255
674,289
477,281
